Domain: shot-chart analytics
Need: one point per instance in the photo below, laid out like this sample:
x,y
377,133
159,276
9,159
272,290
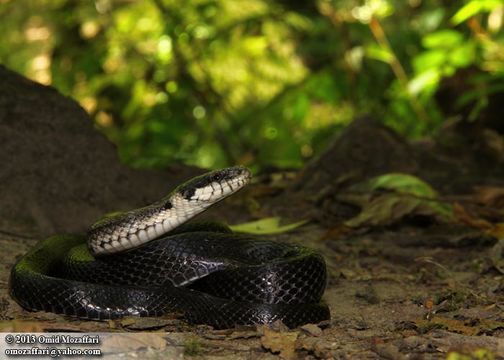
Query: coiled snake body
x,y
203,270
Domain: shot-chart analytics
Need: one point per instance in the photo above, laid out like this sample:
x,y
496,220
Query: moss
x,y
47,251
80,253
192,346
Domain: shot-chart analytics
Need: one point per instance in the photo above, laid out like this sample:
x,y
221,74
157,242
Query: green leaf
x,y
411,196
391,208
403,183
266,226
430,59
474,7
431,19
427,80
373,51
443,39
463,56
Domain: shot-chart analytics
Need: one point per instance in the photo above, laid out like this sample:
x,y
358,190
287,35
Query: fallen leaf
x,y
497,230
389,208
400,183
266,226
465,217
280,342
439,322
490,196
407,195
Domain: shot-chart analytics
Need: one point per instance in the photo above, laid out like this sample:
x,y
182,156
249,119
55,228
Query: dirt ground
x,y
406,282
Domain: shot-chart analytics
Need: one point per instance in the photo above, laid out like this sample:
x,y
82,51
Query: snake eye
x,y
237,174
188,192
218,176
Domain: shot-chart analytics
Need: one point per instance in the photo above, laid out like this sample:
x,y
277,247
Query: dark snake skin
x,y
212,277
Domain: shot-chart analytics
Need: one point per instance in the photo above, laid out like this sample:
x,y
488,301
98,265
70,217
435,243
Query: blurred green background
x,y
257,82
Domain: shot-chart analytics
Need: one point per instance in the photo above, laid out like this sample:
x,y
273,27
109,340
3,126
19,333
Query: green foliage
x,y
475,7
262,83
392,208
193,346
446,51
406,195
478,354
401,183
266,226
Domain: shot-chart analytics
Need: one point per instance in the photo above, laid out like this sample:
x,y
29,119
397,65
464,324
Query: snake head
x,y
133,228
215,185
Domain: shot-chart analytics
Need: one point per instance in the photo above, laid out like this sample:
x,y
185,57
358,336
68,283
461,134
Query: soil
x,y
410,286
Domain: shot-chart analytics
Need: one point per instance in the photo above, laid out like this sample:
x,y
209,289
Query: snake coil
x,y
146,262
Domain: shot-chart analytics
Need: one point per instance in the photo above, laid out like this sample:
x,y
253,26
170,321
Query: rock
x,y
364,149
58,173
312,329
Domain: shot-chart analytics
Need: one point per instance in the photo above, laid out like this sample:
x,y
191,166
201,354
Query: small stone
x,y
312,329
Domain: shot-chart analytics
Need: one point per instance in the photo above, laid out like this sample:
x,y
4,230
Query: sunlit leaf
x,y
410,196
474,7
266,226
443,39
424,81
164,49
256,45
431,59
212,82
431,19
298,21
402,183
373,51
391,208
463,55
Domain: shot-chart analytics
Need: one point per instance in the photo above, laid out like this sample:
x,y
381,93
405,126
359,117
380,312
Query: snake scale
x,y
147,262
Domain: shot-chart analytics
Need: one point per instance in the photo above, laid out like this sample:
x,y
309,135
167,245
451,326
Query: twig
x,y
397,68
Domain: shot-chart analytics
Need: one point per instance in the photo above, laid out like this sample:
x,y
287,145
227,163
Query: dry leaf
x,y
490,196
280,342
497,230
389,208
453,325
465,217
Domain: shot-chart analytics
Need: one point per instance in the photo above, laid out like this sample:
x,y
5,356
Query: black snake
x,y
202,270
